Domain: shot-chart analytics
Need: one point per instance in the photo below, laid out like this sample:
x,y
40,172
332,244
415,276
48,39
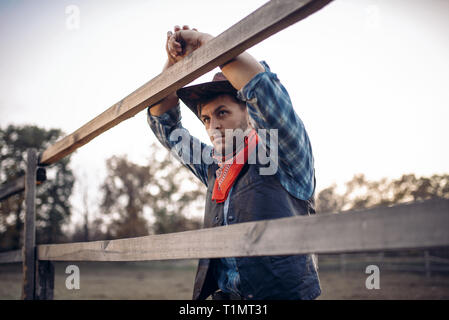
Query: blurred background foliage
x,y
52,197
361,193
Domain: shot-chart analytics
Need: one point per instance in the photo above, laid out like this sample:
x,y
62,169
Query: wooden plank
x,y
29,248
11,256
18,185
264,22
417,225
45,280
12,187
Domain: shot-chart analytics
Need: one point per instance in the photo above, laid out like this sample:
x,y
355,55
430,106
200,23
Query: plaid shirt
x,y
269,107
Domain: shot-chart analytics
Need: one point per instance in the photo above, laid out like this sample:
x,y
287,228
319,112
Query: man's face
x,y
222,114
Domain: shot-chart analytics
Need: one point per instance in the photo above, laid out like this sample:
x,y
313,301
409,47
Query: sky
x,y
368,78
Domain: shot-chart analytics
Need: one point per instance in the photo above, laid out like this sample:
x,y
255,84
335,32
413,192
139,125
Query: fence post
x,y
29,248
427,263
45,280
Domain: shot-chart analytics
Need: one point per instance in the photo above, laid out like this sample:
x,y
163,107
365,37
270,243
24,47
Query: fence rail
x,y
11,256
18,185
417,225
406,226
12,187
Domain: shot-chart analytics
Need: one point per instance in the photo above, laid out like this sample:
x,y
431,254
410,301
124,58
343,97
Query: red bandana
x,y
229,170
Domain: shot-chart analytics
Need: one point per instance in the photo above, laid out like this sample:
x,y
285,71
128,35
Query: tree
x,y
163,188
124,195
361,193
52,197
328,201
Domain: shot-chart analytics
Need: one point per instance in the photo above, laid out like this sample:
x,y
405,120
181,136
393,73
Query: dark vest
x,y
258,197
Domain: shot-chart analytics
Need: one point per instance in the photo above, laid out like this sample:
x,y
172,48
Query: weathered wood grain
x,y
417,225
12,187
18,185
11,256
262,23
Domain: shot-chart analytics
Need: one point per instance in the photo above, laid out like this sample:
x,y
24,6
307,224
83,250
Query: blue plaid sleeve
x,y
175,138
269,107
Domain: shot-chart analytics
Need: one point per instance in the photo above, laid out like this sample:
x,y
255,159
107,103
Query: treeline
x,y
153,198
162,189
359,193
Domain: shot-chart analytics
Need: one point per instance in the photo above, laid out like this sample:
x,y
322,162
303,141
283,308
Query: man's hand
x,y
178,45
183,42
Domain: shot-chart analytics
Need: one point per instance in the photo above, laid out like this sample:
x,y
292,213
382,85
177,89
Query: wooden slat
x,y
18,185
264,22
29,249
417,225
11,256
12,187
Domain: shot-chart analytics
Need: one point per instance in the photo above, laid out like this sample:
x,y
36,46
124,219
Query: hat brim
x,y
200,93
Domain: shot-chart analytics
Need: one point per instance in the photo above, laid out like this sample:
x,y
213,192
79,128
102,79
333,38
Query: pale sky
x,y
368,78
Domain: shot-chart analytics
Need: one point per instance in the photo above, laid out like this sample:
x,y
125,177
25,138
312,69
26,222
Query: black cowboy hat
x,y
201,93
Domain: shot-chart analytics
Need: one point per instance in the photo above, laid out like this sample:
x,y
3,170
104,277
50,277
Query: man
x,y
244,98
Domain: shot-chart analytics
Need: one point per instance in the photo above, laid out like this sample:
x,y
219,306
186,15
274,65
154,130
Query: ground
x,y
174,280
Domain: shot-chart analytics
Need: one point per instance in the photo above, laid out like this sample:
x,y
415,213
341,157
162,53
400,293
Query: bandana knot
x,y
228,170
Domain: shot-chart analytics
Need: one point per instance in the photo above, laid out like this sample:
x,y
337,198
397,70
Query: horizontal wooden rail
x,y
12,187
11,256
262,23
416,225
18,185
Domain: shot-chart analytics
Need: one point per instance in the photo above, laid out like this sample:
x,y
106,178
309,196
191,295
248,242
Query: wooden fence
x,y
417,225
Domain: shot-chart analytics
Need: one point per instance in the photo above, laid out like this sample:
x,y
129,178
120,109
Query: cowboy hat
x,y
192,96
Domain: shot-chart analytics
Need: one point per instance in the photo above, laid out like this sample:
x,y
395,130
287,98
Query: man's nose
x,y
214,123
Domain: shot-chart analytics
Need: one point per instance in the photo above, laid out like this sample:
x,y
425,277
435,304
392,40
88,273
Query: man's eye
x,y
205,120
221,112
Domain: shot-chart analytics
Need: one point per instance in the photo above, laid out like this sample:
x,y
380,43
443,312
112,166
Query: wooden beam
x,y
18,185
264,22
11,256
29,247
405,226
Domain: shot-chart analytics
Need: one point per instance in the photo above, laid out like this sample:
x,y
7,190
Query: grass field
x,y
174,280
